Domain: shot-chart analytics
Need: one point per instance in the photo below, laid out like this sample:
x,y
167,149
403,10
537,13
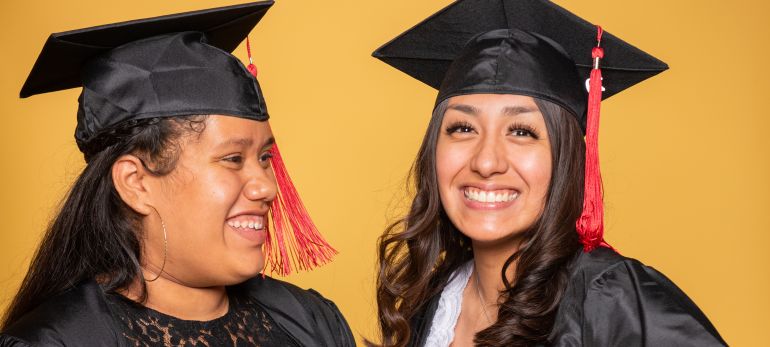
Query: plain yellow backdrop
x,y
685,155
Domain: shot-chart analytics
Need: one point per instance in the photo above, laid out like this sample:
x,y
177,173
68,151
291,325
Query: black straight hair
x,y
95,235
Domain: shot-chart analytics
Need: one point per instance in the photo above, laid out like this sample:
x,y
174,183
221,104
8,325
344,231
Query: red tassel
x,y
590,225
252,68
295,240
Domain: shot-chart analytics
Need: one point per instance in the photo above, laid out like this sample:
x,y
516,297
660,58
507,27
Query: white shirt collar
x,y
442,329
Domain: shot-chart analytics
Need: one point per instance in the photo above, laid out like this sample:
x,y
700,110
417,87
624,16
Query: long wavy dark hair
x,y
95,235
418,253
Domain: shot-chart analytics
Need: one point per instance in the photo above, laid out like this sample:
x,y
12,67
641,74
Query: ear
x,y
130,179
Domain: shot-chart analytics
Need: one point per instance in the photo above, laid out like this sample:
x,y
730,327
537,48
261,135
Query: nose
x,y
260,184
489,157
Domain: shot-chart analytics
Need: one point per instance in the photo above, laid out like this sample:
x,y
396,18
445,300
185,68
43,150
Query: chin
x,y
491,233
246,269
486,236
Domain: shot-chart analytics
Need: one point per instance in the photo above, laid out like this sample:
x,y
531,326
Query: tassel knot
x,y
252,68
597,52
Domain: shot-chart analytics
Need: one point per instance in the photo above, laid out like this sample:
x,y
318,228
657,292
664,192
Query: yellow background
x,y
686,155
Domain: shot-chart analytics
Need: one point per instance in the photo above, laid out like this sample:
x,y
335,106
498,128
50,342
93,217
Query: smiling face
x,y
493,164
214,204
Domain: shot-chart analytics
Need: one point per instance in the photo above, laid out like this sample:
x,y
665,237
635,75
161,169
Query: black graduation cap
x,y
528,47
158,67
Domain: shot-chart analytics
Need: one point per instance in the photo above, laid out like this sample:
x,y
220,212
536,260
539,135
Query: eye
x,y
265,157
523,130
460,128
234,158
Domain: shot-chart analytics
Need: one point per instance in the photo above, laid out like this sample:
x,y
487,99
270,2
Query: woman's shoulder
x,y
78,316
616,300
598,262
274,292
605,269
304,313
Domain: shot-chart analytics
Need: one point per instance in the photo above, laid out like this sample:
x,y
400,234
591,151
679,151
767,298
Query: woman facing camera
x,y
503,243
163,236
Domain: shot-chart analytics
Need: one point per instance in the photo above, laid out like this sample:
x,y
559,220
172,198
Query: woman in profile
x,y
503,243
160,240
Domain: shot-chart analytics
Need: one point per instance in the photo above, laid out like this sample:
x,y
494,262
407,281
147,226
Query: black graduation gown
x,y
612,300
81,317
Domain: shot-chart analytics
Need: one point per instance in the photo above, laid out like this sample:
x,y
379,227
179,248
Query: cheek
x,y
535,169
450,161
199,208
201,204
209,190
219,190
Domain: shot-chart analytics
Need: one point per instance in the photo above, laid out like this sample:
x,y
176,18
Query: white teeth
x,y
251,225
484,196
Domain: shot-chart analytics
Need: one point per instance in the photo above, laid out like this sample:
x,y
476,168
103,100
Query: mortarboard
x,y
136,69
526,47
175,65
466,34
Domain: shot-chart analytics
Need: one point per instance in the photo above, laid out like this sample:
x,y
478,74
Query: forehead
x,y
492,104
221,126
221,131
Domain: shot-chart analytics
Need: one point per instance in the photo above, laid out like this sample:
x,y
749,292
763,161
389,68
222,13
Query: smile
x,y
504,195
249,226
247,222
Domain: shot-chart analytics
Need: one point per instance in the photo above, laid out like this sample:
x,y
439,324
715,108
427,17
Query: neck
x,y
488,261
175,299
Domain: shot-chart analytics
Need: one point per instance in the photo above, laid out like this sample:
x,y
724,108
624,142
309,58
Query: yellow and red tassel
x,y
294,242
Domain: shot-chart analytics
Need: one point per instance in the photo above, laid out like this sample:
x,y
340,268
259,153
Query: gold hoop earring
x,y
165,247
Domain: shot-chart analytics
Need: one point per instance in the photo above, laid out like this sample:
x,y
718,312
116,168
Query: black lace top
x,y
245,324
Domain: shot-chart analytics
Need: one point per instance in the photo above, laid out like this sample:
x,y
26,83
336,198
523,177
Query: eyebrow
x,y
516,110
508,111
245,142
467,109
241,142
268,143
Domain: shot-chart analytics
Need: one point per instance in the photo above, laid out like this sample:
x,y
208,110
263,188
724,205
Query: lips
x,y
249,226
